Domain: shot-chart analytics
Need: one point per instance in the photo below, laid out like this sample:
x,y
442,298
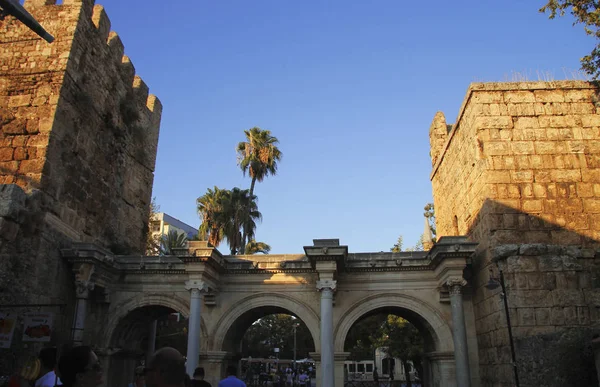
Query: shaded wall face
x,y
536,195
79,125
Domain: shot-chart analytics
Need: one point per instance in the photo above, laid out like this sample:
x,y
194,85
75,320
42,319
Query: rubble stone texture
x,y
78,141
519,172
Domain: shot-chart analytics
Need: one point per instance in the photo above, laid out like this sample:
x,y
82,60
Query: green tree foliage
x,y
253,247
210,206
403,341
587,13
398,245
259,157
172,241
225,214
276,331
364,336
398,337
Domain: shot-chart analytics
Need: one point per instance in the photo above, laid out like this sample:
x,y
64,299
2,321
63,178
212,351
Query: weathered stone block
x,y
19,100
494,122
555,95
589,120
550,263
566,175
526,316
567,297
6,154
17,126
583,315
526,123
519,96
8,229
487,97
532,205
557,316
542,316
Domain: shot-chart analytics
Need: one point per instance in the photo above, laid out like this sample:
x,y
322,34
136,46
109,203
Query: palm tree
x,y
258,157
172,241
239,214
254,247
209,208
226,214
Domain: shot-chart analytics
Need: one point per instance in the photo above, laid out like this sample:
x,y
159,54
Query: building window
x,y
369,367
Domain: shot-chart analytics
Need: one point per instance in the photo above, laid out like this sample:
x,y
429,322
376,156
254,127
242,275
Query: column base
x,y
215,364
341,376
440,369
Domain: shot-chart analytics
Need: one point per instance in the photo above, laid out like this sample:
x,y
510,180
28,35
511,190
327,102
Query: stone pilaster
x,y
196,288
459,332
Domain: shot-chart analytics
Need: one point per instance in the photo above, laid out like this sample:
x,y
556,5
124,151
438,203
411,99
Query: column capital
x,y
455,285
84,279
83,288
326,284
196,286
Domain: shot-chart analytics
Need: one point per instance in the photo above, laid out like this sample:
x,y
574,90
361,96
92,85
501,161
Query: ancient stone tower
x,y
78,140
519,173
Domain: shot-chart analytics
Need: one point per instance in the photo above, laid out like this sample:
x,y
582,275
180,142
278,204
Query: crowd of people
x,y
279,377
79,367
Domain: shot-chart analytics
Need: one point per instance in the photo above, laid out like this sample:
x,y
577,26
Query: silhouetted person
x,y
231,380
198,380
139,378
48,377
376,376
79,367
166,368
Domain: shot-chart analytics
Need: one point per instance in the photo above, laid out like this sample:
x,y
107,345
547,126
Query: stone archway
x,y
225,340
265,300
130,322
439,345
121,310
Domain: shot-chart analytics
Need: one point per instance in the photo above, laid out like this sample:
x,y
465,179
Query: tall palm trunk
x,y
245,235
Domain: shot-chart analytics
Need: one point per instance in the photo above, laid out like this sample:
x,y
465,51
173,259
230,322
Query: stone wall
x,y
519,172
78,139
78,124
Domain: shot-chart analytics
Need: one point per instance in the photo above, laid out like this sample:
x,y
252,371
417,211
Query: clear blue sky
x,y
349,88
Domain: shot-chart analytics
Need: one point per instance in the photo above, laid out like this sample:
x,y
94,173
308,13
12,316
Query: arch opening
x,y
234,338
389,342
438,346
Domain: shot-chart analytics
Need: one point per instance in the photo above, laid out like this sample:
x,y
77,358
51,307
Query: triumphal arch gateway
x,y
328,288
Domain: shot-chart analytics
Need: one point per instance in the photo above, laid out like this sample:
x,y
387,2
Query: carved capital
x,y
455,285
196,287
83,288
326,284
84,280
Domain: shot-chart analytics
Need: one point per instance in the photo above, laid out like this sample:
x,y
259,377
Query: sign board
x,y
7,328
37,327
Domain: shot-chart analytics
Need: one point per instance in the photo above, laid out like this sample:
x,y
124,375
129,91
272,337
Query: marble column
x,y
82,294
459,332
327,287
151,340
196,288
